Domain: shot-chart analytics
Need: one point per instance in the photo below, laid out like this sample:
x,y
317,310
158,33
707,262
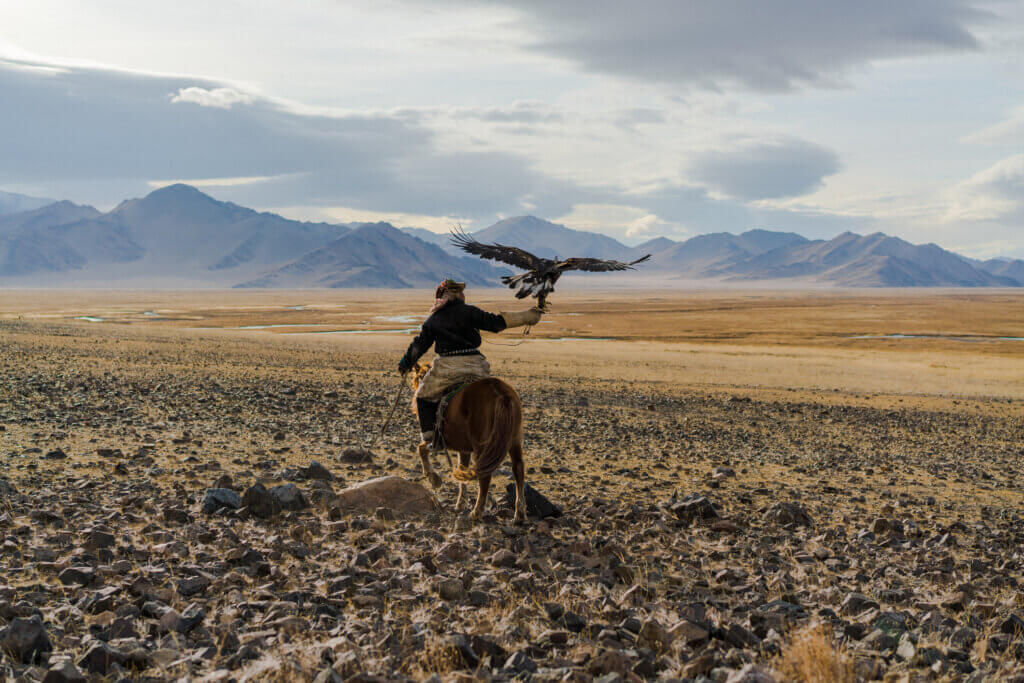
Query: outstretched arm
x,y
419,346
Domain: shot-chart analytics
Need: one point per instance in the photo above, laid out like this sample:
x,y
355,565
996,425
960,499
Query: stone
x,y
289,497
25,639
215,499
260,503
786,514
398,494
96,539
100,657
520,663
316,471
503,558
64,671
751,673
694,507
77,576
356,456
450,589
537,505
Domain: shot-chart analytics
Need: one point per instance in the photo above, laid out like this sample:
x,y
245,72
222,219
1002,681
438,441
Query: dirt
x,y
718,503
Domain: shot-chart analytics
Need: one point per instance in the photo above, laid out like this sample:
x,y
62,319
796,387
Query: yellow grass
x,y
811,656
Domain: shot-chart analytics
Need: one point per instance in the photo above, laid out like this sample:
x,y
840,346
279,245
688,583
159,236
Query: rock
x,y
520,663
259,502
96,539
25,639
689,632
609,661
855,603
64,671
193,585
99,658
503,558
785,514
398,494
450,589
316,471
290,497
77,576
751,673
214,499
172,621
7,489
536,504
356,456
56,454
694,507
653,635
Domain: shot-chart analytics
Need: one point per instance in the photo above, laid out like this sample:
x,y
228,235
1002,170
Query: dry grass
x,y
811,656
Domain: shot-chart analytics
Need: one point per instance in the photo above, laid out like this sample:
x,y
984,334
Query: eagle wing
x,y
596,265
514,256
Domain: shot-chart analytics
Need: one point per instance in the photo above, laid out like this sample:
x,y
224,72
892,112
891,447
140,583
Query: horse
x,y
483,422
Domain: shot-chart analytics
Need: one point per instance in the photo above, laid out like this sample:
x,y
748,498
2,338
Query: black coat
x,y
454,329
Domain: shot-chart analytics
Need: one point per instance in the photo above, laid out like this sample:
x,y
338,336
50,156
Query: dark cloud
x,y
766,170
768,46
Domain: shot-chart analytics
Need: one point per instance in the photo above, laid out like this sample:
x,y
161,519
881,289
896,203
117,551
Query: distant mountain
x,y
377,255
431,237
548,240
177,236
16,203
1011,268
179,227
875,260
49,239
703,255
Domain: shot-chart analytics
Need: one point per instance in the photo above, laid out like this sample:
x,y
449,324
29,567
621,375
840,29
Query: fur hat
x,y
449,285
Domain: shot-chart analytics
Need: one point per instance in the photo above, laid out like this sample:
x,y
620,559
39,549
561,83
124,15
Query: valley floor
x,y
742,478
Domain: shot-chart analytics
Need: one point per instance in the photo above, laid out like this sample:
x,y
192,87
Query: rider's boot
x,y
427,412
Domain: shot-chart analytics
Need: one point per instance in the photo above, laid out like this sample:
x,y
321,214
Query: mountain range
x,y
178,236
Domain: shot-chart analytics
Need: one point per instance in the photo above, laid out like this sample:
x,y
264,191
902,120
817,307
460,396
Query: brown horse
x,y
483,422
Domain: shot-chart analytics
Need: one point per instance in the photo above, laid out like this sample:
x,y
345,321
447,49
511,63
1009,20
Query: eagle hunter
x,y
542,273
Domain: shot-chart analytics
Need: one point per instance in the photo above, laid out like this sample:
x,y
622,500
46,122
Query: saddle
x,y
442,409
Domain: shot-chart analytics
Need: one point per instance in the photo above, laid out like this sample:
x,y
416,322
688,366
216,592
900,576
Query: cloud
x,y
766,170
1005,131
995,194
87,125
767,46
220,98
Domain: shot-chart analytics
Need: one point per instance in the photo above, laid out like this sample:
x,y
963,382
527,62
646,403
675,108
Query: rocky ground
x,y
183,508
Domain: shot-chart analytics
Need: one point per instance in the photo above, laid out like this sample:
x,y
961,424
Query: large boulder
x,y
395,493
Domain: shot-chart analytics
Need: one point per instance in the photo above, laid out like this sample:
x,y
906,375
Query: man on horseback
x,y
453,328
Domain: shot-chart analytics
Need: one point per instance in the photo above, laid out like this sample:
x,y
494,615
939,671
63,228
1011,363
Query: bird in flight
x,y
542,273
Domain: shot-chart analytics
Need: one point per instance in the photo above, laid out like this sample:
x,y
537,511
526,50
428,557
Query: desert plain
x,y
750,486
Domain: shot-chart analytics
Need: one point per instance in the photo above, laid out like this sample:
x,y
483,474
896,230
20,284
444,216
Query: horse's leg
x,y
428,470
464,458
518,471
481,497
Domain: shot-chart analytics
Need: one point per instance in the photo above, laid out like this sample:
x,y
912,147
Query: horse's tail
x,y
506,422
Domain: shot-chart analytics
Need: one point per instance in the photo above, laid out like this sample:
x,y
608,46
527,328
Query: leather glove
x,y
404,366
520,318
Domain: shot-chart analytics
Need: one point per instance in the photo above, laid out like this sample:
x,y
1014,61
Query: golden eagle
x,y
542,273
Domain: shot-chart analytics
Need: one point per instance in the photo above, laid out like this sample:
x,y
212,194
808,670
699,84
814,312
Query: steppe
x,y
753,486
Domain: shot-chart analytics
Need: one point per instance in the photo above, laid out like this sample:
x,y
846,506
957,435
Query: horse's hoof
x,y
435,480
519,521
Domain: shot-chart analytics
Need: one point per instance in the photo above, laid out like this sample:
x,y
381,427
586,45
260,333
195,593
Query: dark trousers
x,y
427,411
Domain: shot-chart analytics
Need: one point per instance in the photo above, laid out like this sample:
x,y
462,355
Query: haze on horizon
x,y
660,117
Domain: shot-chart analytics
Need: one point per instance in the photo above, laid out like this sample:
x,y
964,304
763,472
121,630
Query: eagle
x,y
542,273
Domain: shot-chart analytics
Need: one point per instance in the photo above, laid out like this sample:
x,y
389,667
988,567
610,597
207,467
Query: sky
x,y
635,119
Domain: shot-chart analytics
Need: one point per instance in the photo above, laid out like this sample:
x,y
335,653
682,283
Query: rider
x,y
454,327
